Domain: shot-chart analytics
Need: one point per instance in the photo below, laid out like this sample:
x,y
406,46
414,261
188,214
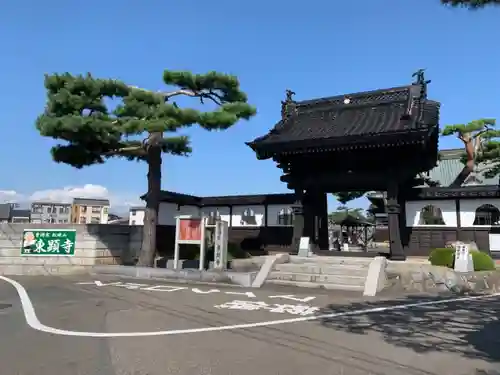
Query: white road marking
x,y
248,294
33,322
276,308
165,288
133,286
293,298
99,283
199,291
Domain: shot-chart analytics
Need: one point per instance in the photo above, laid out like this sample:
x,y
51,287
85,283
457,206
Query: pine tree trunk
x,y
148,247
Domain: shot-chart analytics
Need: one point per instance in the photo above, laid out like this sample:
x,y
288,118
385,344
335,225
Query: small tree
x,y
471,4
77,114
347,196
474,136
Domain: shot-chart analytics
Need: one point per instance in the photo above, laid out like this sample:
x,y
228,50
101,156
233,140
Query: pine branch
x,y
471,4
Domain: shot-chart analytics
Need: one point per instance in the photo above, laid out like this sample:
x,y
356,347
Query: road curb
x,y
231,279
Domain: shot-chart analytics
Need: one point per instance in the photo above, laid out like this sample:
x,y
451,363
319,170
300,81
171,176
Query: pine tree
x,y
347,196
478,137
77,114
471,4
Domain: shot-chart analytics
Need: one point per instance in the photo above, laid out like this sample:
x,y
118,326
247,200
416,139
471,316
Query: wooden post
x,y
394,210
298,220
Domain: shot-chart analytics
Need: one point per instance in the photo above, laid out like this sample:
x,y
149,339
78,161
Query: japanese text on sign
x,y
189,230
59,242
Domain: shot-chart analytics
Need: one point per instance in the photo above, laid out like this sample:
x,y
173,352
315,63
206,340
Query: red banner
x,y
189,230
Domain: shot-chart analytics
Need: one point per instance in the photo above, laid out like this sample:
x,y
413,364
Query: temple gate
x,y
376,140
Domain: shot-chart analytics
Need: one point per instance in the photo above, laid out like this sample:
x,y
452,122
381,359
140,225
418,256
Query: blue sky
x,y
319,48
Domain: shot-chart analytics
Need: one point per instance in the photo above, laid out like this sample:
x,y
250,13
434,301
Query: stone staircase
x,y
340,273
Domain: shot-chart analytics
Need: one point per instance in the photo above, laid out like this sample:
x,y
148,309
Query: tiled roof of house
x,y
227,200
351,117
449,167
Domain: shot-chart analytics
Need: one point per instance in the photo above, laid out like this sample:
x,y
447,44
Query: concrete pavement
x,y
207,329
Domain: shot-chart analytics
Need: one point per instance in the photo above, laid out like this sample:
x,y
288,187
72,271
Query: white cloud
x,y
66,194
9,196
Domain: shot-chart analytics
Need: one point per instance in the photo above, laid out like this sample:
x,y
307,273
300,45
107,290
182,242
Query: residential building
x,y
89,211
50,212
10,213
20,215
136,216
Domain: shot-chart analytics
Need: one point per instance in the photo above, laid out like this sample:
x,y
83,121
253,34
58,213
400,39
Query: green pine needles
x,y
471,4
77,114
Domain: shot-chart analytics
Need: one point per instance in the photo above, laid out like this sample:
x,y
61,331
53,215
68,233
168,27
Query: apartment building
x,y
89,211
50,212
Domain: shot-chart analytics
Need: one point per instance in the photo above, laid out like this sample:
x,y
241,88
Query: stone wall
x,y
96,244
422,277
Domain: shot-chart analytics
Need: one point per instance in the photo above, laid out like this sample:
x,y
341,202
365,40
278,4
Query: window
x,y
248,217
133,222
105,210
95,220
83,209
133,212
96,210
487,214
83,219
64,210
431,215
285,216
36,209
214,214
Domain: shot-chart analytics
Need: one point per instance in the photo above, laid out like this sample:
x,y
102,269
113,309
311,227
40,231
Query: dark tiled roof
x,y
228,200
232,200
332,120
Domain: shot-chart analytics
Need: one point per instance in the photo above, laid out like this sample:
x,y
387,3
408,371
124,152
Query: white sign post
x,y
304,247
189,230
463,258
220,245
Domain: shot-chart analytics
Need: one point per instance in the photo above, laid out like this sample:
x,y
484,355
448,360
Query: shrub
x,y
482,261
233,252
445,257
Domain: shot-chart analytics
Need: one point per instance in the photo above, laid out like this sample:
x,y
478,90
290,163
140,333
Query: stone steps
x,y
340,273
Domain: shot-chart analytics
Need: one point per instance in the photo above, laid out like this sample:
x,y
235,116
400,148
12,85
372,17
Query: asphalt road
x,y
108,326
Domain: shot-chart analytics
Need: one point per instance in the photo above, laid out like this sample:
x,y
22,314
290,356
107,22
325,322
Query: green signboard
x,y
54,242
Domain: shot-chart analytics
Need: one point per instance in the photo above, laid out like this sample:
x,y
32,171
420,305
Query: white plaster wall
x,y
223,211
272,214
468,209
448,210
238,213
169,211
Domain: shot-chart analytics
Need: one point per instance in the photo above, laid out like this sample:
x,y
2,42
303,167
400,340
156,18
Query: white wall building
x,y
248,211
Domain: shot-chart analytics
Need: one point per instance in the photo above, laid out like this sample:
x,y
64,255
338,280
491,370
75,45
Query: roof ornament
x,y
420,80
287,105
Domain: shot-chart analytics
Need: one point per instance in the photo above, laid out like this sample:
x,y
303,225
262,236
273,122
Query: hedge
x,y
445,257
